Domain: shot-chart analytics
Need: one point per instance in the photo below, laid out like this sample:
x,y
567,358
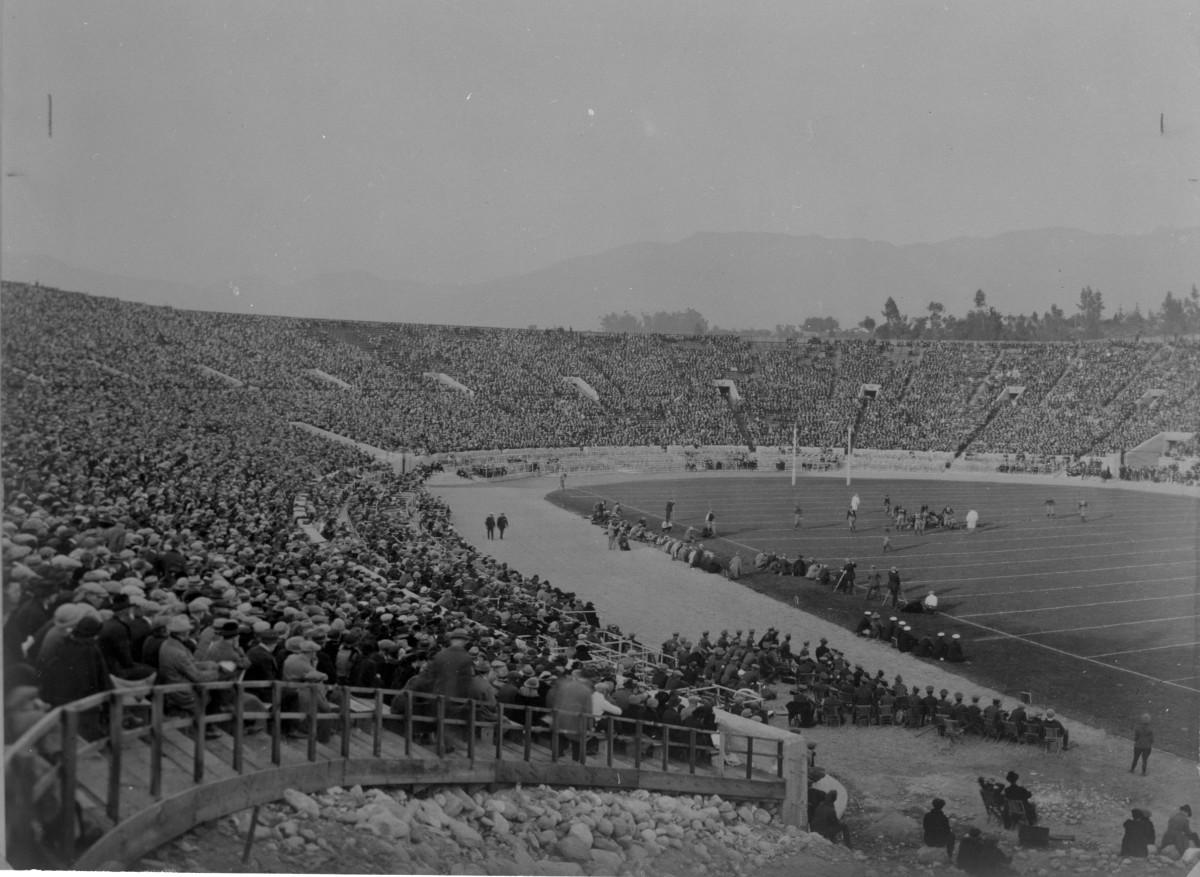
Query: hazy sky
x,y
445,141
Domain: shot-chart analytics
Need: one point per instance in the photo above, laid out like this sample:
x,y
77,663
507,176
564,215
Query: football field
x,y
1099,618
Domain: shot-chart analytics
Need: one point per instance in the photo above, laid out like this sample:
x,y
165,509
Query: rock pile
x,y
540,830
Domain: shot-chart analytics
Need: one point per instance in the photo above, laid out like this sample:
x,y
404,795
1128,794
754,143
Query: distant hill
x,y
736,280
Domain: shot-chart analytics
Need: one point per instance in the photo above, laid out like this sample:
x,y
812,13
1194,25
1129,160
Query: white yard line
x,y
1077,605
1190,644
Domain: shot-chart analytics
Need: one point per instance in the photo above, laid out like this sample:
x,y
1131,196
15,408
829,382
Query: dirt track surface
x,y
891,774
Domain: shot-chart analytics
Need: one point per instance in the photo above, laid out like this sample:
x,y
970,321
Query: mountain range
x,y
735,280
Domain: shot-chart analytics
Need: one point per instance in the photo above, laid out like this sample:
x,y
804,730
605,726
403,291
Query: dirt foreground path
x,y
891,773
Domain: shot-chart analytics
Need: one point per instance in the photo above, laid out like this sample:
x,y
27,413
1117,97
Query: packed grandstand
x,y
437,389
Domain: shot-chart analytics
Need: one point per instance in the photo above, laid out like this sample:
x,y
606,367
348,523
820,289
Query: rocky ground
x,y
544,831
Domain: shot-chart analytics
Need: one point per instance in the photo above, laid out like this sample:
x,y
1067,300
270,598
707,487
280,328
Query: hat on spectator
x,y
228,628
179,624
530,687
309,647
264,631
458,633
292,643
93,588
67,615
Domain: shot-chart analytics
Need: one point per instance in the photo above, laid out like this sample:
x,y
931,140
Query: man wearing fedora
x,y
451,671
116,642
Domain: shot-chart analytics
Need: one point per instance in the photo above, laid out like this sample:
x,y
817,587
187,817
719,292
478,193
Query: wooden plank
x,y
67,776
239,728
156,741
253,754
116,718
179,749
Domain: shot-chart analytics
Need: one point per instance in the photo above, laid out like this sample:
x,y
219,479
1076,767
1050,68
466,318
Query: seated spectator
x,y
177,664
1015,792
982,856
1052,721
77,671
826,822
936,829
1179,832
1139,835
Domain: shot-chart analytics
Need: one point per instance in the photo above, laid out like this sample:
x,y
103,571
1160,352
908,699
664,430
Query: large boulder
x,y
606,862
573,849
384,823
465,834
582,832
931,855
302,803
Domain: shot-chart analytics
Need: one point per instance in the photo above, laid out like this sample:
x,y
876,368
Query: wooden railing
x,y
104,780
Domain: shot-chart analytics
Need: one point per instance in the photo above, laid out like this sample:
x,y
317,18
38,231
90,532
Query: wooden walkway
x,y
151,775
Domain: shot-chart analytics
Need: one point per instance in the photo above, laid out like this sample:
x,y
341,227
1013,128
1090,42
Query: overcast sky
x,y
444,141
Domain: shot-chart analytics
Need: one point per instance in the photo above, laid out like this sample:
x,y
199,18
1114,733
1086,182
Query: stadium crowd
x,y
152,502
164,518
371,382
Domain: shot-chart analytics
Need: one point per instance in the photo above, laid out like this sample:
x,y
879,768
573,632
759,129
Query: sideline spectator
x,y
1139,834
1143,740
1179,832
937,832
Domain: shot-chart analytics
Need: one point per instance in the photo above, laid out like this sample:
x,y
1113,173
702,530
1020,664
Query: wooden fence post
x,y
794,810
116,722
156,743
68,779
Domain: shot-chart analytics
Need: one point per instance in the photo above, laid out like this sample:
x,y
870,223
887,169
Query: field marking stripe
x,y
1158,581
1106,626
1191,644
1078,605
1066,654
1026,575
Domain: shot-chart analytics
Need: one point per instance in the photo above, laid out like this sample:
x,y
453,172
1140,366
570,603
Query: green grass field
x,y
1100,619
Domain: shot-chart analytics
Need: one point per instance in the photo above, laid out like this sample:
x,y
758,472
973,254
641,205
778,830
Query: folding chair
x,y
1008,731
885,714
793,712
862,715
1053,740
954,731
1016,814
993,803
831,716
